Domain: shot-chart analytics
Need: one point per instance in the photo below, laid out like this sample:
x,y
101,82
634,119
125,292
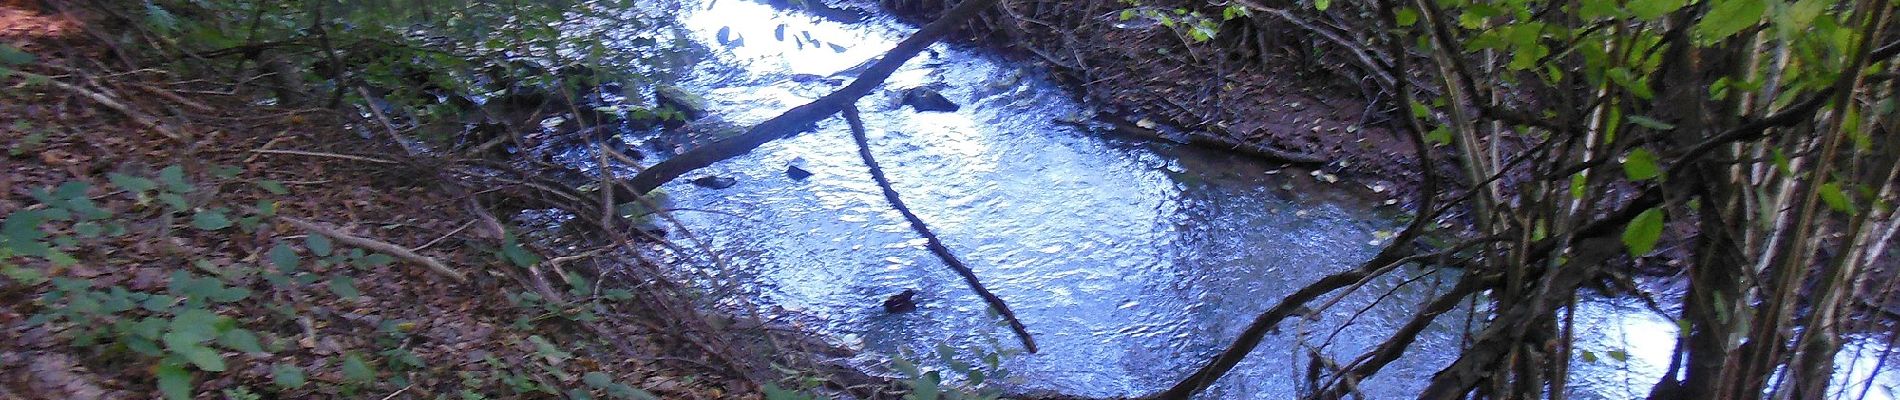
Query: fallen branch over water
x,y
797,117
930,239
1208,140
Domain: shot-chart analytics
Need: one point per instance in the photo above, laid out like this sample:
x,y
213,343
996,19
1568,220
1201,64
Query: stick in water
x,y
930,239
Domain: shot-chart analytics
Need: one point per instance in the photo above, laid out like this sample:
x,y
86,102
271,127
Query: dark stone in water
x,y
689,105
715,182
925,99
797,173
902,302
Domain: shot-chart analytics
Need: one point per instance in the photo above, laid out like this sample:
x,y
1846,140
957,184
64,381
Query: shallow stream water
x,y
1130,260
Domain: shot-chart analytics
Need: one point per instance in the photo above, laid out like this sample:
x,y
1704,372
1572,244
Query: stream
x,y
1132,261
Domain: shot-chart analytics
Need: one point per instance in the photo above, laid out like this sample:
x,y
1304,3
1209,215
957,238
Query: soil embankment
x,y
1254,87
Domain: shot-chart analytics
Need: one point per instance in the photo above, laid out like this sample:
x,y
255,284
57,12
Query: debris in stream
x,y
796,173
927,99
715,182
902,302
689,105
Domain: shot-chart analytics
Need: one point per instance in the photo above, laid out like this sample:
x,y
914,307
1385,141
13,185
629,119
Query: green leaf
x,y
1836,199
193,326
1727,18
1651,123
173,381
927,387
174,179
159,18
344,287
597,379
176,202
1322,5
1593,9
240,340
131,183
1439,135
1652,9
210,220
1406,16
1640,165
12,56
518,255
377,260
1641,234
203,357
319,245
1618,355
355,370
274,187
1794,18
287,376
284,258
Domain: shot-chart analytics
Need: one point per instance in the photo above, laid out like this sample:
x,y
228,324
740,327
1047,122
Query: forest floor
x,y
156,241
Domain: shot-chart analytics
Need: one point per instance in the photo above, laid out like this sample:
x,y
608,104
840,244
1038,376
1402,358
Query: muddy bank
x,y
1256,87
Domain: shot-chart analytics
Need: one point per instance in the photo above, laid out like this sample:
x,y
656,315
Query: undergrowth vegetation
x,y
317,198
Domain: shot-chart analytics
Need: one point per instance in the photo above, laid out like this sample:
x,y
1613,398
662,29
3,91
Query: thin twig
x,y
377,245
141,118
465,225
930,239
391,128
329,155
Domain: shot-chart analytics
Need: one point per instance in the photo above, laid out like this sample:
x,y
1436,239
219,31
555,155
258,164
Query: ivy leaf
x,y
319,245
240,340
1641,234
287,376
597,379
377,260
355,370
11,56
131,183
210,220
1727,17
1836,199
176,202
1640,165
174,179
203,357
174,381
344,287
284,258
274,187
193,326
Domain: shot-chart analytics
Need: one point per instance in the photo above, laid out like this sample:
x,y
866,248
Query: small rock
x,y
797,173
687,103
902,302
715,182
926,99
806,78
